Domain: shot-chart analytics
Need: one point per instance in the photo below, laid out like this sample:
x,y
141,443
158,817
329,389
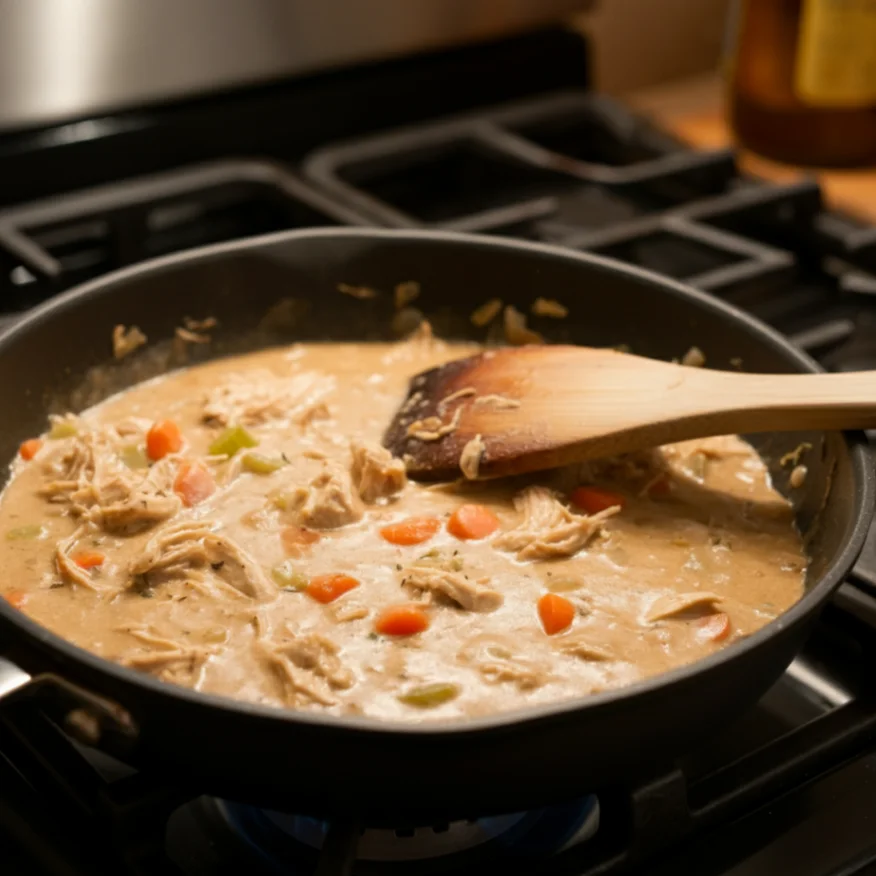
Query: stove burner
x,y
293,841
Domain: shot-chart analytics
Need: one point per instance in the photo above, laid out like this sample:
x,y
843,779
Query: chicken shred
x,y
87,472
471,457
376,473
67,569
549,529
497,660
328,501
308,668
434,428
458,588
674,604
126,340
191,549
259,397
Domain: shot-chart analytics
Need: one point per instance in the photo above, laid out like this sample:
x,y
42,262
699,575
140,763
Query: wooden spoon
x,y
539,407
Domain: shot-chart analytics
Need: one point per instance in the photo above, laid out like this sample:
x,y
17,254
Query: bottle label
x,y
836,55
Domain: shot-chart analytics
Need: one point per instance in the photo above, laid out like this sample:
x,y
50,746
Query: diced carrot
x,y
88,559
402,620
296,540
556,613
163,438
471,522
714,627
327,588
594,499
659,487
16,598
193,482
30,448
413,530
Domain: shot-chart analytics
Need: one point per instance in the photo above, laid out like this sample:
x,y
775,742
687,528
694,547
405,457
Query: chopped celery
x,y
260,464
32,530
134,456
62,429
286,577
234,438
427,696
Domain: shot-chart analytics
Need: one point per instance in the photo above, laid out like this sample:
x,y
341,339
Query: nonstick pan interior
x,y
283,289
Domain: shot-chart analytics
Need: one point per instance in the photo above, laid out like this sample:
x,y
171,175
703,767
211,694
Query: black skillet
x,y
418,773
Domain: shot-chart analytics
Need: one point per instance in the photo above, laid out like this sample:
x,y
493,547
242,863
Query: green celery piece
x,y
233,439
258,463
428,696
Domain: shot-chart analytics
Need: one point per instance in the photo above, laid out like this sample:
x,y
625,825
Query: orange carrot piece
x,y
413,530
556,613
714,627
296,540
163,438
193,482
472,522
402,620
16,598
328,588
30,448
593,499
88,559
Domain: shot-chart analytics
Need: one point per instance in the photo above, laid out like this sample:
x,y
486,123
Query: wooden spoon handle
x,y
763,403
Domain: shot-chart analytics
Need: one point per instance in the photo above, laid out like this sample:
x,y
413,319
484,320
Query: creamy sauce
x,y
702,552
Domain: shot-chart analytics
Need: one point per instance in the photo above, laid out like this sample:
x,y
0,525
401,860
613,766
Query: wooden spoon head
x,y
508,398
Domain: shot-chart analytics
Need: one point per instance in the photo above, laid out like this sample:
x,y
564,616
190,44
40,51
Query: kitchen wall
x,y
644,42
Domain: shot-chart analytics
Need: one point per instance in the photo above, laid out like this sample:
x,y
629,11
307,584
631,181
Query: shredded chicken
x,y
454,396
549,529
471,457
307,667
549,307
375,472
327,502
578,646
319,655
189,551
496,659
67,569
191,337
126,340
674,604
259,397
487,312
517,332
458,588
200,325
86,471
405,293
191,658
434,428
363,293
694,358
499,402
798,476
793,457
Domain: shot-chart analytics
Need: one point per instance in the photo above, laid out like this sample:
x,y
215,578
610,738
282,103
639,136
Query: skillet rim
x,y
864,476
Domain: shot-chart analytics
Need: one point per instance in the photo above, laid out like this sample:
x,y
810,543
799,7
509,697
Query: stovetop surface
x,y
503,140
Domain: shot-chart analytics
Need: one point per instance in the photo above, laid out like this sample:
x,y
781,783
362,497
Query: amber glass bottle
x,y
802,80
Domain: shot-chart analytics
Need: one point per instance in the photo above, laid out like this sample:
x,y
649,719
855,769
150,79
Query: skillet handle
x,y
87,717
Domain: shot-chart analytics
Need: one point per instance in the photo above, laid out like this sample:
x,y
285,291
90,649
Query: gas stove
x,y
502,139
